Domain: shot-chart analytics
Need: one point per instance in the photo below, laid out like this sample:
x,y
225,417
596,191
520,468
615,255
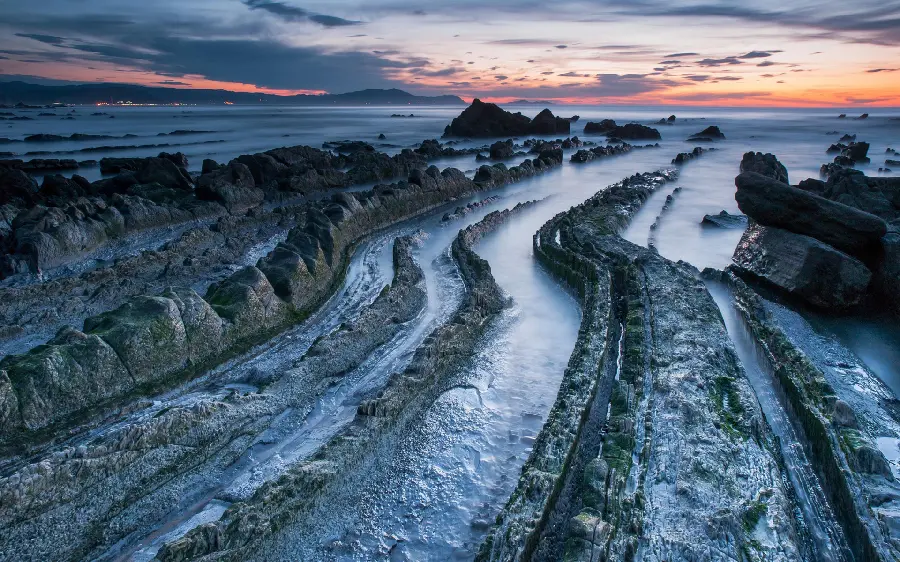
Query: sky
x,y
705,52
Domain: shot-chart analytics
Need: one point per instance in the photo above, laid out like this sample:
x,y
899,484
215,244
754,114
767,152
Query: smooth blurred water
x,y
449,478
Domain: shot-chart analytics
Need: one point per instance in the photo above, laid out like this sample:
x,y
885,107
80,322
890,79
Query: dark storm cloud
x,y
678,55
766,63
875,70
291,13
48,39
698,77
881,23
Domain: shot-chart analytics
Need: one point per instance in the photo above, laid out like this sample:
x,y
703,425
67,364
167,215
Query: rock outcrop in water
x,y
489,120
154,346
630,459
629,131
855,475
296,496
710,133
835,243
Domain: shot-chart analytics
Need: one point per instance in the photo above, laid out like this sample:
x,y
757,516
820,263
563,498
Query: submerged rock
x,y
724,220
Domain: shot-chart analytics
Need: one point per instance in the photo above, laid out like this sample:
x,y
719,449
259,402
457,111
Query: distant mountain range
x,y
22,92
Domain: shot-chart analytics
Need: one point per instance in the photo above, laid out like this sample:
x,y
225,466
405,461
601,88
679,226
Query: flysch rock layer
x,y
284,504
132,475
656,445
151,336
79,500
843,414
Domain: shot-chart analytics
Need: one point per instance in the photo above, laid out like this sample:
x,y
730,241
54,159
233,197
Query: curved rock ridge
x,y
282,504
65,219
126,478
654,399
861,487
151,336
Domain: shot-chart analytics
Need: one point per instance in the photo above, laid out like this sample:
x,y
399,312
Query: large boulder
x,y
72,371
501,150
766,165
878,196
773,203
802,266
545,123
263,167
248,302
601,127
232,185
710,133
634,131
164,172
16,187
857,151
487,120
148,334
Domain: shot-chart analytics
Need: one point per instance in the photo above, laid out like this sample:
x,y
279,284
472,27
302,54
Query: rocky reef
x,y
150,342
482,119
304,489
858,480
619,466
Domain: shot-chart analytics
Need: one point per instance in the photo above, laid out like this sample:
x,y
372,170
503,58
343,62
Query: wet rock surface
x,y
616,471
802,266
295,497
820,389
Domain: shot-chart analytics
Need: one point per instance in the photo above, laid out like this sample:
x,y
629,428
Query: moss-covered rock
x,y
148,335
72,371
248,301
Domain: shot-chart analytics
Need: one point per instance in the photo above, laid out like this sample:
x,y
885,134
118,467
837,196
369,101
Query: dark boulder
x,y
209,165
724,220
857,151
847,138
545,123
766,165
803,267
264,167
710,133
773,203
430,148
349,147
232,185
178,158
16,187
501,150
165,173
59,190
601,127
684,157
634,131
488,120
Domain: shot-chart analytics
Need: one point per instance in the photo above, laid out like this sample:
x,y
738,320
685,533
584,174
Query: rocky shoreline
x,y
305,487
146,343
590,490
